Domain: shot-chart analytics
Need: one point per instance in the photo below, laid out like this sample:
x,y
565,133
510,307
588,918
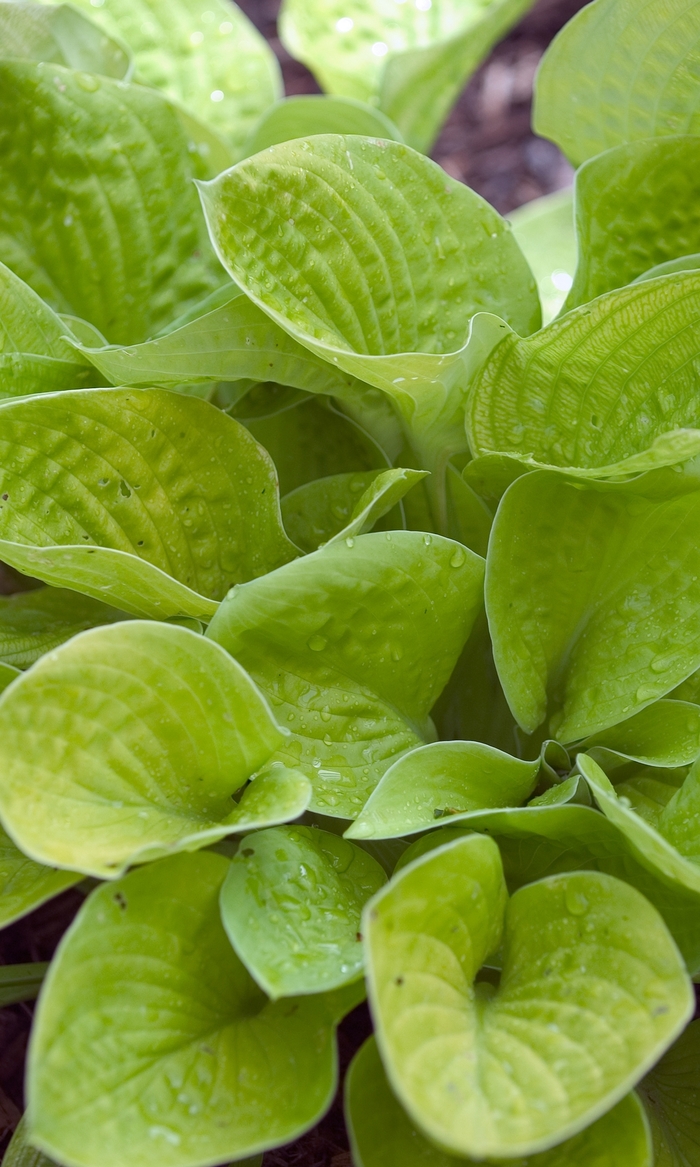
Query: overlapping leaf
x,y
666,733
345,505
32,623
544,231
24,885
156,501
671,1098
62,35
592,992
352,645
300,117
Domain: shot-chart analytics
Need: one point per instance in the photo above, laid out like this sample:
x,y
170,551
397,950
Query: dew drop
x,y
576,902
317,643
458,558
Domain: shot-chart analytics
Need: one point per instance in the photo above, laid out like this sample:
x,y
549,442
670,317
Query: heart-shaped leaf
x,y
24,885
154,500
352,645
585,587
383,1135
291,906
148,1017
544,231
592,992
128,742
625,78
64,36
32,623
671,1097
98,212
309,114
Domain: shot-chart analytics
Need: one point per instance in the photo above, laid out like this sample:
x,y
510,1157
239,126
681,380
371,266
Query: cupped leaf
x,y
304,116
98,213
64,36
352,645
592,991
33,623
646,217
291,906
411,60
149,1020
24,885
128,742
544,231
672,1100
599,389
213,62
628,73
344,505
593,600
156,501
683,263
442,780
666,733
383,1135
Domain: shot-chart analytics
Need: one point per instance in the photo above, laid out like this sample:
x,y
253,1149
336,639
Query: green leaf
x,y
371,256
301,117
214,63
382,1134
64,36
592,991
352,645
411,61
129,742
645,218
21,982
32,623
98,213
593,600
544,231
156,501
149,1022
20,1153
671,1097
24,885
666,733
344,505
442,780
682,264
625,77
291,906
579,393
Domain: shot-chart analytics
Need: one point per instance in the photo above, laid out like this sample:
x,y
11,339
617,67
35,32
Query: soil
x,y
487,143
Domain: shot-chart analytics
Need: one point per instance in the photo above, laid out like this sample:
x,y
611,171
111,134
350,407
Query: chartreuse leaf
x,y
645,218
628,73
20,1152
544,231
64,36
671,1097
128,742
344,505
442,780
411,60
593,601
156,501
32,623
291,906
24,885
213,62
98,212
592,991
682,264
383,1135
599,389
371,256
666,733
301,117
216,1072
352,645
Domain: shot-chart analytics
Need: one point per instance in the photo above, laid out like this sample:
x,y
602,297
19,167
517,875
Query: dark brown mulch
x,y
488,144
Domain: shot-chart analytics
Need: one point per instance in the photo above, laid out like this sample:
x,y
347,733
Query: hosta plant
x,y
358,654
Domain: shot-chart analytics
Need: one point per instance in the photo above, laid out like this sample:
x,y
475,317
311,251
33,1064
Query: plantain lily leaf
x,y
64,36
25,885
473,706
214,63
583,588
625,78
670,1095
32,623
352,645
344,505
544,231
230,1074
412,61
645,219
592,992
666,733
301,117
370,256
382,1134
161,503
291,906
98,214
682,264
129,742
442,780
